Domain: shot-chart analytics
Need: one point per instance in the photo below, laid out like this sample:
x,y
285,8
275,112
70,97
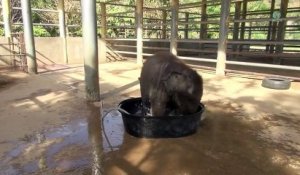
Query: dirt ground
x,y
47,127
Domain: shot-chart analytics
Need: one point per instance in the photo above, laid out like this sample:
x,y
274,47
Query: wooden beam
x,y
186,26
244,15
203,27
270,24
281,29
237,15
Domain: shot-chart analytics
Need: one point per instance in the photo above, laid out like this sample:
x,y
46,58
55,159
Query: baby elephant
x,y
169,87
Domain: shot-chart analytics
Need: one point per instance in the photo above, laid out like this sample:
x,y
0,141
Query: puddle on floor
x,y
65,148
224,144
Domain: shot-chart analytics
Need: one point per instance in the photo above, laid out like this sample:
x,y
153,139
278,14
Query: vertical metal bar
x,y
186,26
270,24
139,31
28,37
103,33
222,44
281,29
174,26
244,15
62,28
237,14
164,27
90,48
6,17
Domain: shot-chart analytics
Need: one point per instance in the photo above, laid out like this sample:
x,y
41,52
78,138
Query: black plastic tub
x,y
157,126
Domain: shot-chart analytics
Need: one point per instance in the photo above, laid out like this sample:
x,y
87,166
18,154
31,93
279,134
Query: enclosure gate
x,y
18,52
15,48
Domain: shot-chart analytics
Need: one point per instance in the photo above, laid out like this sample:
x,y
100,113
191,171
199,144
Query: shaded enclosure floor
x,y
47,127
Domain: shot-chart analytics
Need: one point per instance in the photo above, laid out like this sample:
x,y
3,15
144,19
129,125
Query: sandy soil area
x,y
47,127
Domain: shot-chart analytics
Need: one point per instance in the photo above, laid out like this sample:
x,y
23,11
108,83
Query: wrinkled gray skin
x,y
169,86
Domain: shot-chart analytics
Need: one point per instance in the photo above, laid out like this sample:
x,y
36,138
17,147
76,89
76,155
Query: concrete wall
x,y
49,50
5,59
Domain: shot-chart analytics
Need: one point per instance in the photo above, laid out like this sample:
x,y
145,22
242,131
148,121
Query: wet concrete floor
x,y
224,144
247,129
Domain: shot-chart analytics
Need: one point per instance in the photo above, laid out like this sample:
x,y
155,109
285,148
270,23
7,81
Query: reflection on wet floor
x,y
65,148
224,144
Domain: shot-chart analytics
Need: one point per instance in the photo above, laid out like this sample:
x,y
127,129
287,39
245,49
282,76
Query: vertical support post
x,y
222,44
7,27
94,127
28,37
237,15
250,30
103,32
139,31
244,15
174,26
281,29
90,48
273,36
62,28
203,26
6,17
164,26
270,25
186,26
